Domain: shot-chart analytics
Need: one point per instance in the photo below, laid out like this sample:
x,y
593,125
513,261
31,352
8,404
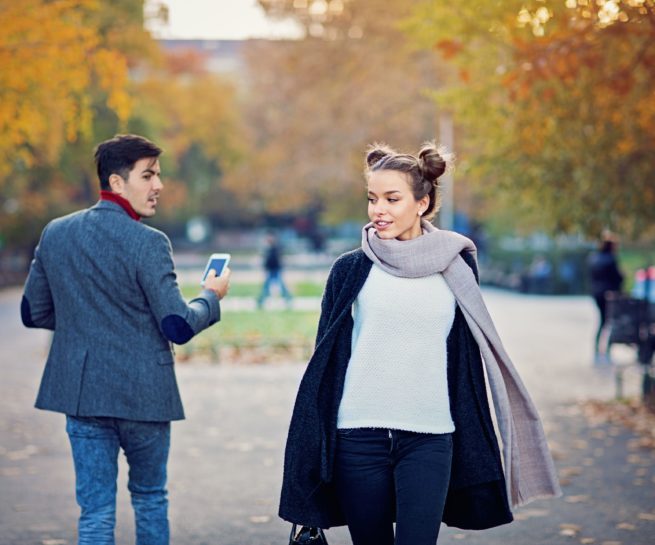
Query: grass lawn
x,y
630,260
299,289
256,336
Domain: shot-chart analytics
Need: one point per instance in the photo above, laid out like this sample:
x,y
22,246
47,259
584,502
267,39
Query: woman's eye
x,y
393,200
371,200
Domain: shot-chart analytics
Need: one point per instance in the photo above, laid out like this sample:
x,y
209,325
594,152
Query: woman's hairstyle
x,y
423,171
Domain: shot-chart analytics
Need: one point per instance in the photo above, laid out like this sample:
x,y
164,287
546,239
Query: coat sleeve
x,y
178,320
470,260
327,303
37,309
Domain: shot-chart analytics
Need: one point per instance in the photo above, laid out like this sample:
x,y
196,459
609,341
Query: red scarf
x,y
124,203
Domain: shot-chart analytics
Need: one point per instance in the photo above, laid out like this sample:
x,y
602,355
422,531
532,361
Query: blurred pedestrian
x,y
273,268
105,284
606,280
391,421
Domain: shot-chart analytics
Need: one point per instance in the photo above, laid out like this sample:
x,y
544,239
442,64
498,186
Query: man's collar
x,y
122,202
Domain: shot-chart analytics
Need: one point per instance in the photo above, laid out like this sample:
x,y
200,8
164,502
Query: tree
x,y
52,58
64,80
313,105
195,117
556,103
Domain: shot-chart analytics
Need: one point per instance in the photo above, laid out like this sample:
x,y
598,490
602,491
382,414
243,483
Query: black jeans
x,y
384,475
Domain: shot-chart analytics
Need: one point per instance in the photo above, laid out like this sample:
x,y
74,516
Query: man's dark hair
x,y
119,154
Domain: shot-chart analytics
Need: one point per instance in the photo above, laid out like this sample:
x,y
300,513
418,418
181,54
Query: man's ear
x,y
116,183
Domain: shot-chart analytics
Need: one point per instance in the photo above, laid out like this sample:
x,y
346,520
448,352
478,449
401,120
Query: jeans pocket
x,y
89,426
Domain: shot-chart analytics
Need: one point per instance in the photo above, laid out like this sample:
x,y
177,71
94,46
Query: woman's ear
x,y
423,204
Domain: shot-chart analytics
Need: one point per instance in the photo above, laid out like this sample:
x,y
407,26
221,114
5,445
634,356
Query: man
x,y
105,284
273,267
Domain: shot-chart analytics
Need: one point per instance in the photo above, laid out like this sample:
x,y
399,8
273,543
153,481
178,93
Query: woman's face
x,y
392,207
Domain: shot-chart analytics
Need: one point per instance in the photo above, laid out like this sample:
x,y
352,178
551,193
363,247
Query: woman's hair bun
x,y
376,152
432,161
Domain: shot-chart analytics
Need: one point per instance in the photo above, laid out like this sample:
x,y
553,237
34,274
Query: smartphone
x,y
218,262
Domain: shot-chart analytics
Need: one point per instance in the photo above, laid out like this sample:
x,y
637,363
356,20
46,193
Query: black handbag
x,y
307,536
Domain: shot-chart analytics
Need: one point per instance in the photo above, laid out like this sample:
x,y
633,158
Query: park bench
x,y
631,321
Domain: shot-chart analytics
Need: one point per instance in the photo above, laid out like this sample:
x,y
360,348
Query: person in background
x,y
105,283
606,278
273,268
391,421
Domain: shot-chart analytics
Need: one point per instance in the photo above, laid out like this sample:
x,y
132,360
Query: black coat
x,y
477,495
604,272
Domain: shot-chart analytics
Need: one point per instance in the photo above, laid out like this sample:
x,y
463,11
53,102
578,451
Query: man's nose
x,y
159,185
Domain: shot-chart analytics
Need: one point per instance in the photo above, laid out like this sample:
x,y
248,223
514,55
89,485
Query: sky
x,y
221,19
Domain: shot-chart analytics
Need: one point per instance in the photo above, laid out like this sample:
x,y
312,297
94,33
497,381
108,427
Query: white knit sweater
x,y
396,376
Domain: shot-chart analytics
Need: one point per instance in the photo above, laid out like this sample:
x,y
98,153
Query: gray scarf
x,y
529,469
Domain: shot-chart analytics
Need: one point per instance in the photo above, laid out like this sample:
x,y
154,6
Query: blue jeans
x,y
384,475
95,442
273,277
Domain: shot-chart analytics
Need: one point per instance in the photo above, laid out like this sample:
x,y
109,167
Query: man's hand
x,y
220,285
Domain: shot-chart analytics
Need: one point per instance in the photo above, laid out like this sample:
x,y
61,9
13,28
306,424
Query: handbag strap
x,y
319,537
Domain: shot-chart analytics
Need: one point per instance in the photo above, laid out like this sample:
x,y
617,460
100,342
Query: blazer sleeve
x,y
37,309
178,320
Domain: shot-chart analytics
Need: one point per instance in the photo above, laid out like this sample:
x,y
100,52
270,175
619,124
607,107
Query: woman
x,y
392,422
606,280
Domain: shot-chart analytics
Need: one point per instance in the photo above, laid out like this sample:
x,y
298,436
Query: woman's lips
x,y
382,225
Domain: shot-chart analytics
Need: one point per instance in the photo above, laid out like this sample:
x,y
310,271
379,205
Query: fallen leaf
x,y
459,536
570,471
587,540
525,514
576,499
259,519
568,529
569,526
646,516
626,526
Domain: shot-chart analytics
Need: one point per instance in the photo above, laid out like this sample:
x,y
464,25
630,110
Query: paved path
x,y
226,458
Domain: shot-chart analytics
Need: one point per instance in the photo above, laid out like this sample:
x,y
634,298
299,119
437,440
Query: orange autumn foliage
x,y
50,60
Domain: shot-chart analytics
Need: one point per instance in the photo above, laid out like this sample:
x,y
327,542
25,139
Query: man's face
x,y
142,186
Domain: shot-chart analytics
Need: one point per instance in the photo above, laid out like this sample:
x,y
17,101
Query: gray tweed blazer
x,y
106,285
